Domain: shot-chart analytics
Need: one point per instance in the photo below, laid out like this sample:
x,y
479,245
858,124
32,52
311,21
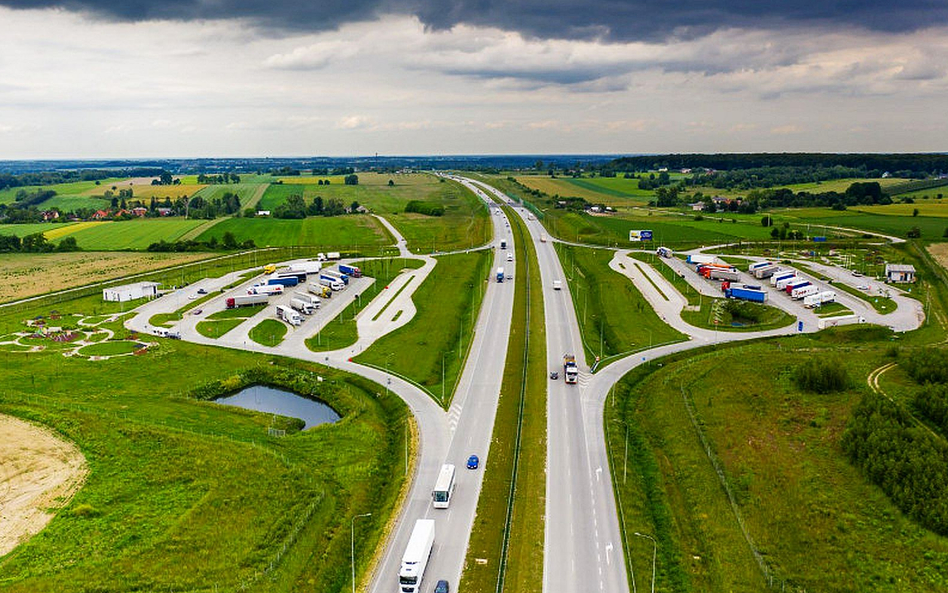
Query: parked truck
x,y
757,265
795,284
266,289
287,282
500,274
782,275
701,258
826,322
664,252
415,559
288,315
722,274
307,267
308,298
331,281
333,255
319,290
304,307
822,298
804,291
353,271
288,273
783,282
745,294
344,278
244,300
765,272
570,370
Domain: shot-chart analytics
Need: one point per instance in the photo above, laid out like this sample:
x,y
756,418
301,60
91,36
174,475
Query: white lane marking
x,y
609,553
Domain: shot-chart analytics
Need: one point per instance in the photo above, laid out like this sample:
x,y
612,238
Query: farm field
x,y
22,230
28,274
71,203
931,207
131,234
74,188
615,192
348,232
805,507
243,190
939,251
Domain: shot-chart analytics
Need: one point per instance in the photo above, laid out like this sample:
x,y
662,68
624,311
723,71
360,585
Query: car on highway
x,y
554,375
857,273
862,287
198,312
473,462
442,587
202,291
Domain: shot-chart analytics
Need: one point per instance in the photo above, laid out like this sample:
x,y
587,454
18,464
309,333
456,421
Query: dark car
x,y
473,462
442,587
554,375
202,291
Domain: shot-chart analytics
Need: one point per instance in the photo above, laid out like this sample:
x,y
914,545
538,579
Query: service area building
x,y
899,273
131,292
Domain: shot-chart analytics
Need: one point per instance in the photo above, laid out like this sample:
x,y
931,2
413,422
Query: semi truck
x,y
783,282
722,274
319,290
782,275
288,315
266,289
804,291
244,300
664,252
288,273
570,370
745,294
415,558
757,265
344,278
307,267
822,298
353,271
798,283
309,298
331,281
765,272
304,307
287,282
700,258
500,274
333,255
825,322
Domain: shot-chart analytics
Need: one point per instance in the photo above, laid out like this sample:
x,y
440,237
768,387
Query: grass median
x,y
517,463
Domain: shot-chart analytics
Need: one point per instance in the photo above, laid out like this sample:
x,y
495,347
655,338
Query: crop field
x,y
28,274
188,495
804,506
615,192
932,228
142,189
22,230
243,190
937,208
75,188
939,251
131,234
351,232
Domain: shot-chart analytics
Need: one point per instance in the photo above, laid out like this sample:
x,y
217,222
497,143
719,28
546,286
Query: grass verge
x,y
516,480
216,329
268,332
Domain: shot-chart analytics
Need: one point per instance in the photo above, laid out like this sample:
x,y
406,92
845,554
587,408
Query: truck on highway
x,y
244,300
319,290
822,298
304,307
745,294
570,370
783,275
306,297
765,272
500,274
664,252
331,281
288,315
804,291
415,558
353,271
503,243
286,282
266,289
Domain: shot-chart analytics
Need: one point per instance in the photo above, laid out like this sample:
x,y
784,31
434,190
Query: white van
x,y
509,256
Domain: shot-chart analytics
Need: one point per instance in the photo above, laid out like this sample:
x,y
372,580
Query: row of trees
x,y
35,243
221,179
295,207
228,242
426,208
864,165
53,177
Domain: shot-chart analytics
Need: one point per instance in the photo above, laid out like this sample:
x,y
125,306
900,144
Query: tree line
x,y
35,243
868,165
8,180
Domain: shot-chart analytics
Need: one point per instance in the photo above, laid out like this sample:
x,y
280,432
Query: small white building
x,y
131,292
263,213
899,273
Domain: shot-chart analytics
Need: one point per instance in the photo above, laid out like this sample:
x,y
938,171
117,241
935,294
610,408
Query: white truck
x,y
416,556
304,307
267,289
308,298
306,267
804,291
288,315
815,300
319,290
243,300
783,282
331,281
826,322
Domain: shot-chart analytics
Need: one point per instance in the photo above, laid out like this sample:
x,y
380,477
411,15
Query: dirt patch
x,y
940,252
39,472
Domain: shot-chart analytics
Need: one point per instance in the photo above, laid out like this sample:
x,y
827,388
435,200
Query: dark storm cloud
x,y
614,20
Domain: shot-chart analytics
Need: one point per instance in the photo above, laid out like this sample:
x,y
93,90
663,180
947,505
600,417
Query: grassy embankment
x,y
509,527
614,318
803,506
342,331
186,495
430,350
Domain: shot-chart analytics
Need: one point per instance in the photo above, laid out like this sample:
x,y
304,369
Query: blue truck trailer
x,y
745,294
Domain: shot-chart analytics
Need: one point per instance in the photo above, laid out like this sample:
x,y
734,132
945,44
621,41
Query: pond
x,y
285,403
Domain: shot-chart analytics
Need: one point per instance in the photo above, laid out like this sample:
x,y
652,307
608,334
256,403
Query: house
x,y
100,215
899,273
362,210
697,206
140,211
263,213
164,211
50,215
131,292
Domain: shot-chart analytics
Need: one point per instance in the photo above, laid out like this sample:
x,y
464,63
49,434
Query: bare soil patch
x,y
940,252
40,472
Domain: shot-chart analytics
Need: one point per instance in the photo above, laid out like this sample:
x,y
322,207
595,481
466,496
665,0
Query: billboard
x,y
640,235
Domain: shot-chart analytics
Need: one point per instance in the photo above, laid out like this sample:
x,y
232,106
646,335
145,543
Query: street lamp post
x,y
352,547
654,553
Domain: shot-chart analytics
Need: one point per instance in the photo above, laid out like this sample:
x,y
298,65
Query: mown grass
x,y
521,406
185,495
215,329
130,234
343,331
110,348
431,348
613,316
268,332
883,305
238,312
353,232
804,506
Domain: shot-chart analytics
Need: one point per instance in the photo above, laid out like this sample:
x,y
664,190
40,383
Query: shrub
x,y
932,402
821,375
426,208
926,365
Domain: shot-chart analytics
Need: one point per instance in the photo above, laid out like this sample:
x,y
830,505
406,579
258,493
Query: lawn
x,y
131,234
187,495
434,344
110,348
804,506
268,332
614,318
352,232
217,328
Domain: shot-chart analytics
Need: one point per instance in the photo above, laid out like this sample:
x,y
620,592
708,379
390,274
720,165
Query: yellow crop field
x,y
143,189
68,229
925,208
27,274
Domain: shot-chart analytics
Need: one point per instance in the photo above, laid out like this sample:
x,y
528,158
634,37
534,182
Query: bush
x,y
426,208
926,365
931,401
821,375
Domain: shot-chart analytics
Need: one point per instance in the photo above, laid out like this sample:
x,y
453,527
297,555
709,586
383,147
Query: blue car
x,y
441,587
473,462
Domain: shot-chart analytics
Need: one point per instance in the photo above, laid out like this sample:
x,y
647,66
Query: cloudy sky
x,y
182,78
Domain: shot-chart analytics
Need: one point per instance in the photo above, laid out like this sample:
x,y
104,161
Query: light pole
x,y
352,548
654,552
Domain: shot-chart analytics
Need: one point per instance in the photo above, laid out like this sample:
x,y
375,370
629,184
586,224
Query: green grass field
x,y
130,234
110,348
449,300
344,232
268,332
217,328
75,188
804,506
22,230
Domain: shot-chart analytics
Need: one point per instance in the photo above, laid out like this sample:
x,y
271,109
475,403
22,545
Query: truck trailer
x,y
784,275
288,315
353,271
307,267
721,274
266,289
304,307
287,282
758,265
319,290
804,291
745,294
700,258
822,298
570,370
415,558
783,282
825,322
664,252
798,283
308,298
500,274
331,281
344,278
244,300
765,272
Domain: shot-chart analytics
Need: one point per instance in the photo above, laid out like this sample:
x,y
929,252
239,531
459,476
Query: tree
x,y
36,243
914,233
915,212
352,179
391,183
67,244
230,241
165,178
353,207
767,221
